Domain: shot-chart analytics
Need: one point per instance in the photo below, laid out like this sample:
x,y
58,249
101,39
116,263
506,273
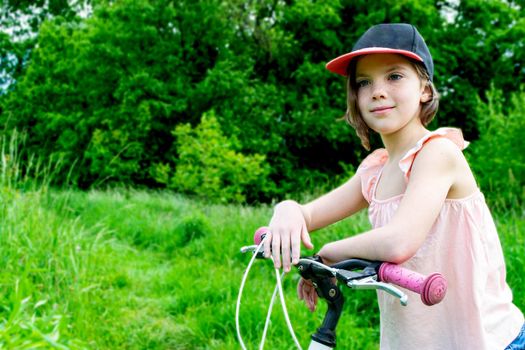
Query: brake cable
x,y
278,288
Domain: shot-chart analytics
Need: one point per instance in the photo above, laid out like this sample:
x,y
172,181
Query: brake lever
x,y
253,249
248,248
371,283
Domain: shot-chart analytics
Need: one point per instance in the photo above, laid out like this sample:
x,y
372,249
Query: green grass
x,y
136,270
127,269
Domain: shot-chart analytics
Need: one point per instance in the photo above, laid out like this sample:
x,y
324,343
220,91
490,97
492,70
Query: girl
x,y
426,210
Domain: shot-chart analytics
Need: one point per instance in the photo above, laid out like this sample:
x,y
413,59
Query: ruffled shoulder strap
x,y
453,134
369,171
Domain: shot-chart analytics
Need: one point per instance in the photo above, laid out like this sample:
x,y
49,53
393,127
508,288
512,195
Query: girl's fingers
x,y
285,249
268,244
296,247
280,247
305,237
276,249
311,301
308,294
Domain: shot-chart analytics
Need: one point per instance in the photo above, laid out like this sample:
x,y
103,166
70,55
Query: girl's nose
x,y
378,91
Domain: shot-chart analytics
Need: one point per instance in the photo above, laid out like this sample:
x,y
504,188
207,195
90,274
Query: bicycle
x,y
353,273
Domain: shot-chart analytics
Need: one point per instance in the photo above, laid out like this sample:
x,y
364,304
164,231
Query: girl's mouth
x,y
382,109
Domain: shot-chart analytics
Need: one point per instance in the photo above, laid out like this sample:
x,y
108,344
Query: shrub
x,y
497,158
209,166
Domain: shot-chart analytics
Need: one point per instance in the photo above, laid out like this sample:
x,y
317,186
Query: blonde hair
x,y
353,115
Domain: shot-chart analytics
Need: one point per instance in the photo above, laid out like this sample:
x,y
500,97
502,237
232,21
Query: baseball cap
x,y
397,38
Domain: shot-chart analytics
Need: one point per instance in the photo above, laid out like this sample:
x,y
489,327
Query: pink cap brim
x,y
339,64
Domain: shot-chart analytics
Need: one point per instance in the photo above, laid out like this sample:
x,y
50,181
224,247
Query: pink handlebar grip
x,y
259,234
432,288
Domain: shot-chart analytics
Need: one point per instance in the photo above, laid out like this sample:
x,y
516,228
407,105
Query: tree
x,y
20,22
107,91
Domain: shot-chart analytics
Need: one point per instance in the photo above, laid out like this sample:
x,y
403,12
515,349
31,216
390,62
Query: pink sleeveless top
x,y
463,244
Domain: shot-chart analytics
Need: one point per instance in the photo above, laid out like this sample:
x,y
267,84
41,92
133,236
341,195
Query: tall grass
x,y
127,269
41,260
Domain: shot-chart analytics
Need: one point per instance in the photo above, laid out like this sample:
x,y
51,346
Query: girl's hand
x,y
306,291
287,229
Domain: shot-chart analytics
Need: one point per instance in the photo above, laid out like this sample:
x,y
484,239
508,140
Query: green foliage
x,y
209,166
497,158
106,91
24,326
33,274
482,34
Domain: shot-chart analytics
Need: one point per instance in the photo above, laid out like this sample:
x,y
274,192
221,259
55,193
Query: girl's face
x,y
389,92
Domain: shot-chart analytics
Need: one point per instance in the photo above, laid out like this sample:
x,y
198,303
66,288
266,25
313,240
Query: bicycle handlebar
x,y
432,288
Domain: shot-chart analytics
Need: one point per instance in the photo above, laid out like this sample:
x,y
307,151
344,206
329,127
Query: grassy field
x,y
127,269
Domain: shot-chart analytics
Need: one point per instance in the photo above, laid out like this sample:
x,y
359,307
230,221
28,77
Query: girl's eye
x,y
395,76
362,83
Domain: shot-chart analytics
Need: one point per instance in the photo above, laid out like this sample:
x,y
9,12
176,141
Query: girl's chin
x,y
385,130
387,127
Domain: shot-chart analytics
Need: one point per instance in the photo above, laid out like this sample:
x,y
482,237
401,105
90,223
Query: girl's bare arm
x,y
435,171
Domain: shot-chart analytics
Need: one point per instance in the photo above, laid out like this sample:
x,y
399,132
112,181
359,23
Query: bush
x,y
497,158
209,166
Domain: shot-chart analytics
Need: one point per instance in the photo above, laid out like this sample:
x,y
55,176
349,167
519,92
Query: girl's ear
x,y
426,95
